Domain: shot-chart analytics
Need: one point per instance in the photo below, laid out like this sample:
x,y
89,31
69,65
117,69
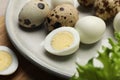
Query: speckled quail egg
x,y
106,9
91,29
62,15
86,3
8,61
58,2
62,41
33,13
116,23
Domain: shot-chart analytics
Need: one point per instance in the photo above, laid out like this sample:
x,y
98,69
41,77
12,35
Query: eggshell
x,y
86,3
106,9
62,15
91,29
33,13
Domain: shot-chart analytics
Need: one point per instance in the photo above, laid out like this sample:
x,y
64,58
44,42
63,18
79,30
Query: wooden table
x,y
26,70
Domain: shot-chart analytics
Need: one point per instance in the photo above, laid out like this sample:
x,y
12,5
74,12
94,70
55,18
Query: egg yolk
x,y
5,60
62,40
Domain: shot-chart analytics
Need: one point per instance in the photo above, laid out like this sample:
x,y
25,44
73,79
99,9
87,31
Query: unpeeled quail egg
x,y
91,29
62,15
62,41
106,9
8,61
116,23
86,3
58,2
33,13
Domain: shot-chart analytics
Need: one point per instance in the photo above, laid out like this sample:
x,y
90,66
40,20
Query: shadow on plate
x,y
40,27
85,10
58,58
88,46
69,57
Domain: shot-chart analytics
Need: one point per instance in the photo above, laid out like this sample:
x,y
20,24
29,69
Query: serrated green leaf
x,y
110,58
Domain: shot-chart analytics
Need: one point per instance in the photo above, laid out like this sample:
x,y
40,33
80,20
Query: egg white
x,y
67,51
116,23
13,66
91,29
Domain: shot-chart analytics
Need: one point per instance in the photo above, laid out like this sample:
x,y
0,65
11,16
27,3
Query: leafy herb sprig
x,y
110,58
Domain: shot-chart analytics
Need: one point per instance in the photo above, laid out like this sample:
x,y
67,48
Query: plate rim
x,y
23,52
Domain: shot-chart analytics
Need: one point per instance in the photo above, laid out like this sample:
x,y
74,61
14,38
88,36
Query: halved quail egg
x,y
8,61
62,41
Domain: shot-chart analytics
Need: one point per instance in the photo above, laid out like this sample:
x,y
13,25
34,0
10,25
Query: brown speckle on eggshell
x,y
27,22
41,5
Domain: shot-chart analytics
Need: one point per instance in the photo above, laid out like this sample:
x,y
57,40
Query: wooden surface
x,y
26,70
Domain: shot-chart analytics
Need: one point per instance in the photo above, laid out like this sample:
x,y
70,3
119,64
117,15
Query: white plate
x,y
31,44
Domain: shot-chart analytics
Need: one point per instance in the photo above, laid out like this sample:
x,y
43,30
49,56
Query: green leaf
x,y
110,58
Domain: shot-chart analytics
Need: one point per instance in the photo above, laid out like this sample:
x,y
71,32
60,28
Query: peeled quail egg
x,y
91,29
116,23
62,15
62,41
33,13
8,61
57,2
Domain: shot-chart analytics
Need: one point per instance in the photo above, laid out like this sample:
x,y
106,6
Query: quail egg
x,y
62,41
33,13
116,23
62,15
58,2
8,61
91,29
86,3
106,9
